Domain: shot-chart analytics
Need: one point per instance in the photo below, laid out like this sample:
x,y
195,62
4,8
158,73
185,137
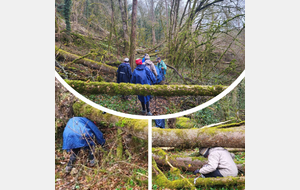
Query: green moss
x,y
184,123
138,89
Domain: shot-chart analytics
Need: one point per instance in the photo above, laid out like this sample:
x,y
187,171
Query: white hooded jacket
x,y
219,158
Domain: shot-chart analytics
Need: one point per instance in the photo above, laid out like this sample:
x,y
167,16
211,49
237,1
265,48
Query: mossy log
x,y
162,181
136,127
138,89
61,54
188,163
208,137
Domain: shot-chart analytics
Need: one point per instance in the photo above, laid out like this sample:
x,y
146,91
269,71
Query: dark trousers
x,y
74,155
144,106
215,173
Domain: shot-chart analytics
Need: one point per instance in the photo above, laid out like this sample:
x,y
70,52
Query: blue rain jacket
x,y
124,73
142,75
160,123
160,74
80,132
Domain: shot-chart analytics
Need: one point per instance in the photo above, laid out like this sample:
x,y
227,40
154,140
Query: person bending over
x,y
79,134
220,163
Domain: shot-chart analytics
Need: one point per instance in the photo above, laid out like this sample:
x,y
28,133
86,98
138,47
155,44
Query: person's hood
x,y
124,65
148,62
140,67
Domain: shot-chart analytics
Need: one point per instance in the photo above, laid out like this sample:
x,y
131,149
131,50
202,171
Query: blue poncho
x,y
80,132
142,75
160,123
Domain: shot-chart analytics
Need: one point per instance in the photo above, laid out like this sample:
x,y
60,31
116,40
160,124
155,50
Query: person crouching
x,y
220,163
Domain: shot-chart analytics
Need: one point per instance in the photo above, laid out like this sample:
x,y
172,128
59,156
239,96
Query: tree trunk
x,y
191,138
187,163
144,90
152,22
133,35
67,12
135,127
125,25
61,54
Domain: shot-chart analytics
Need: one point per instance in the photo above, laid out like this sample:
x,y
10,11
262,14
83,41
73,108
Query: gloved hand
x,y
196,171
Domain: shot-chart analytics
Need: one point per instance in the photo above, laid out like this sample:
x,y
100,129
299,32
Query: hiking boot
x,y
92,163
143,112
149,113
68,169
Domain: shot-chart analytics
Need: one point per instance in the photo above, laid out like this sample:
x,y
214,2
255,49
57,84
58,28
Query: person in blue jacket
x,y
143,75
160,123
124,73
78,134
143,60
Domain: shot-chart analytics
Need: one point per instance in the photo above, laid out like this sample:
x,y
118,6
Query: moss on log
x,y
162,181
61,54
138,89
187,163
185,123
208,137
136,127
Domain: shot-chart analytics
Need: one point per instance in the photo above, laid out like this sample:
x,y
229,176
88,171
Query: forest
x,y
202,43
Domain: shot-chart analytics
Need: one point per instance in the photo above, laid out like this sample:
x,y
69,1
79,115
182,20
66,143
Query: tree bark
x,y
152,22
123,10
191,138
133,35
139,89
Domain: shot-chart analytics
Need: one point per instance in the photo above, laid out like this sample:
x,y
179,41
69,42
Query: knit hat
x,y
158,59
204,151
147,56
138,61
126,59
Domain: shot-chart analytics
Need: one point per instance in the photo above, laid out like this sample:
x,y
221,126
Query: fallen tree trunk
x,y
187,163
61,54
204,182
162,181
136,127
138,89
208,137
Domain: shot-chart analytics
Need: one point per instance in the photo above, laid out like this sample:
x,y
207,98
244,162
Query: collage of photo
x,y
150,94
